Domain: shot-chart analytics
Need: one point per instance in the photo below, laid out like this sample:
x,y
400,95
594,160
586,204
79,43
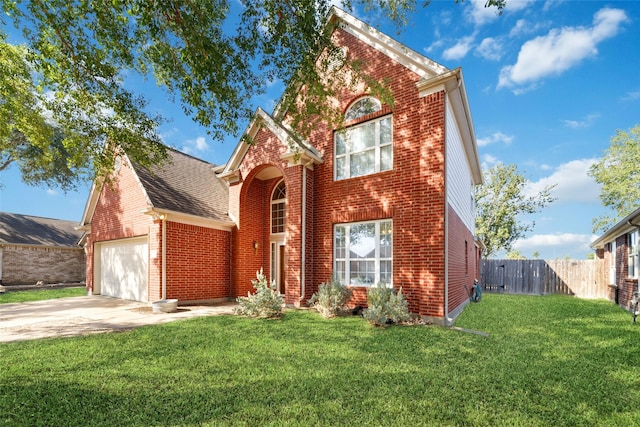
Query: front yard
x,y
547,361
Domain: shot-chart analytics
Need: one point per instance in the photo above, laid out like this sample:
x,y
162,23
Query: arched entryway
x,y
260,239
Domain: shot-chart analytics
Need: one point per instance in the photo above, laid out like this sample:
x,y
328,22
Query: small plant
x,y
386,306
330,298
265,302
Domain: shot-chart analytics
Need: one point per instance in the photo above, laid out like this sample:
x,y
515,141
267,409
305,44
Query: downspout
x,y
304,231
446,229
1,249
164,256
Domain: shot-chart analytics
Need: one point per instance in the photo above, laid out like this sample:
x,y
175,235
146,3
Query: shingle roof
x,y
33,230
188,185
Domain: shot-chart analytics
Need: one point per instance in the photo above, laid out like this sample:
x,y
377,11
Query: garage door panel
x,y
124,266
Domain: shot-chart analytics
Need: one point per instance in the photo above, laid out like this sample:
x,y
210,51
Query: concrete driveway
x,y
65,317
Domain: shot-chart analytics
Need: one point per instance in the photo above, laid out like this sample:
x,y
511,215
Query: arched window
x,y
278,199
362,107
364,148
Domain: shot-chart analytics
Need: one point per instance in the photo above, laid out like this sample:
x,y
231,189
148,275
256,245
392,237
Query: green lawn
x,y
40,294
548,361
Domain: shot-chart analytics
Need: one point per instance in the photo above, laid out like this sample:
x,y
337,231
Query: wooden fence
x,y
541,277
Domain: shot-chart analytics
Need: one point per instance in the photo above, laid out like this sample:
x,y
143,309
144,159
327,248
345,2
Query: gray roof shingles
x,y
32,230
187,185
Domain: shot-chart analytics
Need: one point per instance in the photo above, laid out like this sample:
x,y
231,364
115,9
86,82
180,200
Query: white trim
x,y
376,148
377,258
452,83
295,149
187,219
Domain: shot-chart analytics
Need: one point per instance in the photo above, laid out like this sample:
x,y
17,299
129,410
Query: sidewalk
x,y
65,317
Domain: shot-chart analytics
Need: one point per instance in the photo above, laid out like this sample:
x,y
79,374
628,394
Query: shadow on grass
x,y
577,367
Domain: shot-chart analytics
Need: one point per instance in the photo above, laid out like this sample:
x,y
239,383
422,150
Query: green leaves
x,y
618,174
212,56
500,202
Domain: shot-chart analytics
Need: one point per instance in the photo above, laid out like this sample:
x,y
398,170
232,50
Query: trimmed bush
x,y
385,306
330,298
265,302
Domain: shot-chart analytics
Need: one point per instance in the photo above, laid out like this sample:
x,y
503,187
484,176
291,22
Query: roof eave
x,y
624,226
181,217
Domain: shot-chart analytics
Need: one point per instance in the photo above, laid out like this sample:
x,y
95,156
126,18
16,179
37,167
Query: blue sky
x,y
549,83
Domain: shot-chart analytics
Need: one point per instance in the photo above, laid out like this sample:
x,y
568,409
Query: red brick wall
x,y
412,194
254,213
463,265
626,286
246,260
198,261
118,215
198,258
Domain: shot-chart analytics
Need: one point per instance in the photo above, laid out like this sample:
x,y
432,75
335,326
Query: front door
x,y
278,265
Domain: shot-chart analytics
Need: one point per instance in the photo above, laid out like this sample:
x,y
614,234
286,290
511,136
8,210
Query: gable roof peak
x,y
416,62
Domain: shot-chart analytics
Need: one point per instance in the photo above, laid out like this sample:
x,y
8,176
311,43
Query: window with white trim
x,y
363,253
278,199
633,248
365,148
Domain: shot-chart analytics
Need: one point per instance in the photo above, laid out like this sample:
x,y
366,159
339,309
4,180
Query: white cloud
x,y
488,161
198,144
583,123
573,184
519,28
560,49
480,15
460,49
433,46
631,96
494,138
490,48
52,192
551,4
525,27
556,245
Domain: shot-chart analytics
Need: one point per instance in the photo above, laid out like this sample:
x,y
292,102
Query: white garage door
x,y
123,269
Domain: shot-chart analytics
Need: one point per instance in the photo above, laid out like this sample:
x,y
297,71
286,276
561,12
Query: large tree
x,y
65,94
500,203
618,173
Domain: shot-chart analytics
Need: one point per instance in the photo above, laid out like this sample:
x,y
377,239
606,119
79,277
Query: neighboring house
x,y
388,199
34,249
617,257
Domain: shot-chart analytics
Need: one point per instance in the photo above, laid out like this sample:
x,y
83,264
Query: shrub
x,y
330,298
385,306
265,302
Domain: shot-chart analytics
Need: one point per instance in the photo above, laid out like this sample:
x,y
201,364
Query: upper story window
x,y
278,199
365,148
634,252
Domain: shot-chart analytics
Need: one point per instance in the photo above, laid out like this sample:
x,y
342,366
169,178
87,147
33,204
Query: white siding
x,y
459,187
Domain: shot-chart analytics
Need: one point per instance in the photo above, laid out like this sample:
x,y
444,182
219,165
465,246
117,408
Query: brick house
x,y
617,259
388,198
35,249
